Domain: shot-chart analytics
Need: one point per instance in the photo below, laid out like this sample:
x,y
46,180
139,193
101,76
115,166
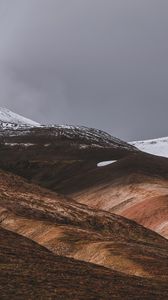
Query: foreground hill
x,y
29,271
71,229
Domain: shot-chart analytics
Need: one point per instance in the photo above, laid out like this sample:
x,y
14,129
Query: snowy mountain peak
x,y
7,118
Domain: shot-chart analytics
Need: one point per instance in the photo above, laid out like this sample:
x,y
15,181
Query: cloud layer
x,y
99,63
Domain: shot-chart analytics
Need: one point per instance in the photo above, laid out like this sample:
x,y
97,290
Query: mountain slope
x,y
136,187
117,188
65,158
9,119
154,146
29,271
61,142
71,229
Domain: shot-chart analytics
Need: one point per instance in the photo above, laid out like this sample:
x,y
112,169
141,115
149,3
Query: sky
x,y
98,63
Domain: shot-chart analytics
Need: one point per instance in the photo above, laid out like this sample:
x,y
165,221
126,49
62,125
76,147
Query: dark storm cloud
x,y
100,63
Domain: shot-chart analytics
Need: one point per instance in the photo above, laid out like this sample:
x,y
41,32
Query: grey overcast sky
x,y
99,63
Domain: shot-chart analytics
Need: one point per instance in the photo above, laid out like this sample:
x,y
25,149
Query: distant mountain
x,y
9,119
61,141
154,146
97,138
86,136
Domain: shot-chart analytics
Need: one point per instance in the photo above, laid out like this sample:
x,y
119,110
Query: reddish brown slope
x,y
135,187
116,188
152,212
71,229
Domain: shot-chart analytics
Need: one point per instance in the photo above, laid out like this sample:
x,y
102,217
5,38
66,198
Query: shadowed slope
x,y
29,271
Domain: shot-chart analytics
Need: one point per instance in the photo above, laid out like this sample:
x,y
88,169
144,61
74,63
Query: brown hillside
x,y
72,229
29,271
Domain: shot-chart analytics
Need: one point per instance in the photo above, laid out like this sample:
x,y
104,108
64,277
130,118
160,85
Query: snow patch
x,y
19,144
105,163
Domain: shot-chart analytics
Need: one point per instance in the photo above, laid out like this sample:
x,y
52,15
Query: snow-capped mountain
x,y
57,141
154,146
9,119
85,137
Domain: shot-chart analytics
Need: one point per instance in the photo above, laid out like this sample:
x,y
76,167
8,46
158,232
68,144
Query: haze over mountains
x,y
58,208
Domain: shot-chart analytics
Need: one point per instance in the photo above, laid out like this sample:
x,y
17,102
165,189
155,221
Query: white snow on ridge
x,y
155,146
9,117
